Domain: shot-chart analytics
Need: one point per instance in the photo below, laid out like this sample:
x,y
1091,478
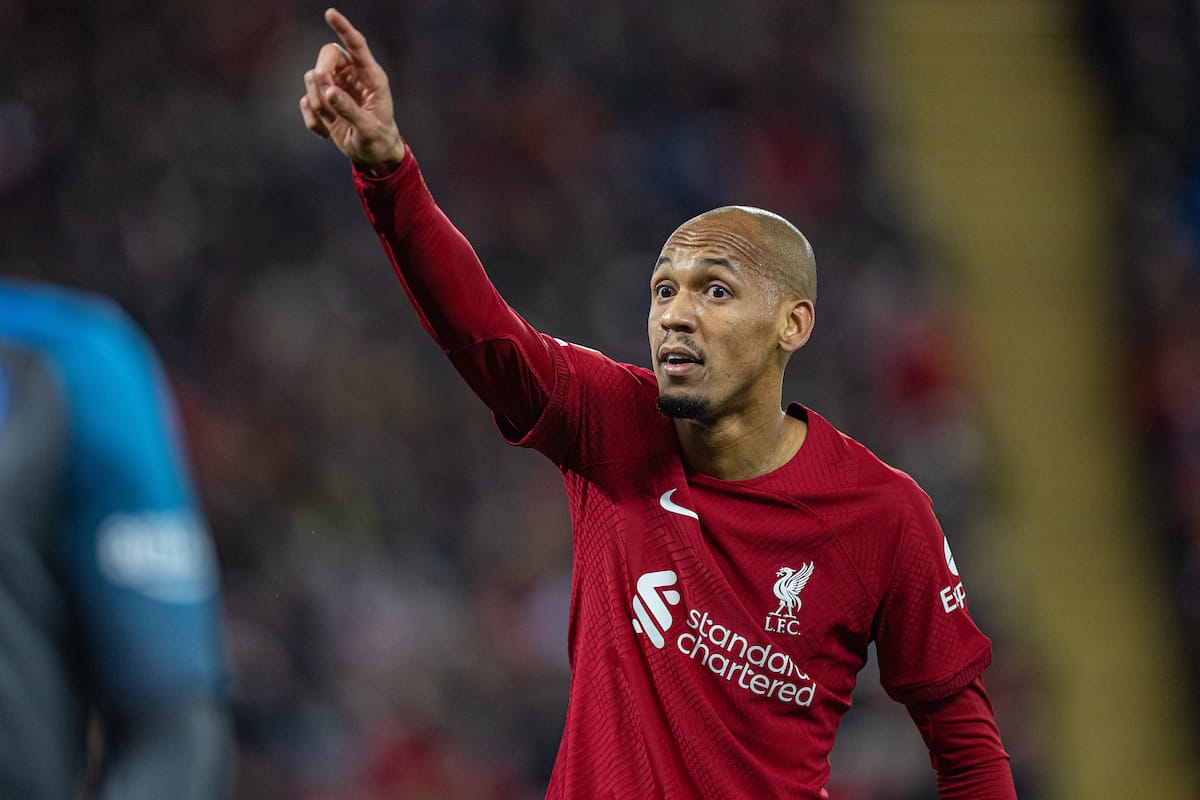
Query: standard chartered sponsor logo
x,y
760,669
651,615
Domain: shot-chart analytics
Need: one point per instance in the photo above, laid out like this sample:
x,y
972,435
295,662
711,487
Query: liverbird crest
x,y
788,587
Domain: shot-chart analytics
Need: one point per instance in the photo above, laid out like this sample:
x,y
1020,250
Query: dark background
x,y
396,579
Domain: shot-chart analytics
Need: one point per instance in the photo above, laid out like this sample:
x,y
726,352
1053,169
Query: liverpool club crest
x,y
788,585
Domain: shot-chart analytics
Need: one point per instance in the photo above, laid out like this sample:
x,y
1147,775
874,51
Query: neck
x,y
739,448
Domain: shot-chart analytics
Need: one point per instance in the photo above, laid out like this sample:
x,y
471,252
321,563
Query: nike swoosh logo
x,y
675,508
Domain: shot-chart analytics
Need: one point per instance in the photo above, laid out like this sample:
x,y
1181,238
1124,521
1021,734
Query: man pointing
x,y
692,491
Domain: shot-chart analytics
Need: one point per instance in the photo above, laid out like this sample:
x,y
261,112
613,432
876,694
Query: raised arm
x,y
347,100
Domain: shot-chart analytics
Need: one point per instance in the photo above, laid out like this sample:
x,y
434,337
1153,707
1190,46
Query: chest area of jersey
x,y
756,591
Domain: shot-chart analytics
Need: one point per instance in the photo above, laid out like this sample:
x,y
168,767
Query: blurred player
x,y
733,559
108,584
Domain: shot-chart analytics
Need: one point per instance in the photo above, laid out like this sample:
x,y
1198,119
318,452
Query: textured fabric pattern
x,y
716,627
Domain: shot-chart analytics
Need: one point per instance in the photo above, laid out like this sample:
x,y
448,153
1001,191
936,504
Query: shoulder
x,y
75,328
115,391
885,520
599,371
864,474
602,411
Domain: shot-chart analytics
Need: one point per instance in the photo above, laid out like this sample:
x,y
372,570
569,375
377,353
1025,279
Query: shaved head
x,y
731,299
780,250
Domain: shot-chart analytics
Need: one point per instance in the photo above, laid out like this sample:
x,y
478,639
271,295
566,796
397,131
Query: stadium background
x,y
1005,204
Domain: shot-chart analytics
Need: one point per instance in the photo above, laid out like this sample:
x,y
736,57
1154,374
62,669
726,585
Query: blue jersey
x,y
108,581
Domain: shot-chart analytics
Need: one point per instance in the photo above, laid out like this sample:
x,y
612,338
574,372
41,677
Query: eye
x,y
664,290
718,292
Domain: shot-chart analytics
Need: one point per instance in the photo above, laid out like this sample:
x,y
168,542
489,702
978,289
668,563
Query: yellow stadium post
x,y
991,122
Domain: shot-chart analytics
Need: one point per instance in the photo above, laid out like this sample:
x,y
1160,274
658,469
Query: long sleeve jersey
x,y
716,627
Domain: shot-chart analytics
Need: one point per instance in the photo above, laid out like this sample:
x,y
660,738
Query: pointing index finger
x,y
355,43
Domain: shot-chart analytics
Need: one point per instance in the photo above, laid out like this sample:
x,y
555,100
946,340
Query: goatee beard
x,y
683,407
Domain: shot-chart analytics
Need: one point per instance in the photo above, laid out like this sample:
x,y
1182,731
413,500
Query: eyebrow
x,y
721,262
710,261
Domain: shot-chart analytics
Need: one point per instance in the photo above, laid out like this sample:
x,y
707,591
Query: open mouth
x,y
679,362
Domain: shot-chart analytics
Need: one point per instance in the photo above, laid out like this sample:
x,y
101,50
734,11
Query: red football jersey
x,y
716,627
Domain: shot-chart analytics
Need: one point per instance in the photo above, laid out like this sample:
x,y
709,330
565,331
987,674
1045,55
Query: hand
x,y
347,99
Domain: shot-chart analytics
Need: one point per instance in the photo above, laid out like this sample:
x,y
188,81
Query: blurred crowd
x,y
395,578
1148,55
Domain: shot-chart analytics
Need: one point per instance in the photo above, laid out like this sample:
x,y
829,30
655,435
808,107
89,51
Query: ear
x,y
798,324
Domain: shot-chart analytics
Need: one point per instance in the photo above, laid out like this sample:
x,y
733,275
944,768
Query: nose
x,y
679,313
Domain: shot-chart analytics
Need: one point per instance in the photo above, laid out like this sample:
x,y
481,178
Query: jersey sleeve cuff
x,y
395,201
938,688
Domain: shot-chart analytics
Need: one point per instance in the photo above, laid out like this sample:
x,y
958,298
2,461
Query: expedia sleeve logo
x,y
953,596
